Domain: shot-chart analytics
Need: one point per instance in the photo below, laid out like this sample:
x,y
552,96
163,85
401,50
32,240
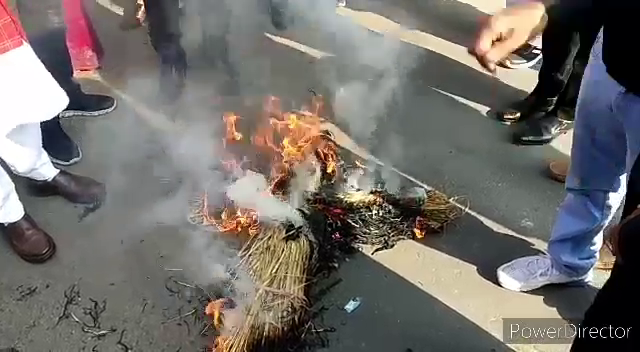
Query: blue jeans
x,y
606,141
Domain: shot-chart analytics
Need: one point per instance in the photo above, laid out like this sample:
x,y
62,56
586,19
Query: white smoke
x,y
252,191
368,71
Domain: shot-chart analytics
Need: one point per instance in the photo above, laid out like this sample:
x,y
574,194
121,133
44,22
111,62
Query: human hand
x,y
507,30
614,234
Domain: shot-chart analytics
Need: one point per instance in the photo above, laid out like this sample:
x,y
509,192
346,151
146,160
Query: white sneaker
x,y
524,57
529,273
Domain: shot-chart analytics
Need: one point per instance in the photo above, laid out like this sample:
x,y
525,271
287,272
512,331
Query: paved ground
x,y
434,295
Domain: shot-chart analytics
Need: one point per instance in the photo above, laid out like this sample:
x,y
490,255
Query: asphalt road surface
x,y
404,89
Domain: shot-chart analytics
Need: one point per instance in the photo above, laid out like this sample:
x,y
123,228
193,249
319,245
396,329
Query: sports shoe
x,y
524,57
529,273
62,150
90,105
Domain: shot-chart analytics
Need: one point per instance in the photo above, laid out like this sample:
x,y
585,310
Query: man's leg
x,y
559,74
163,19
11,209
559,46
595,188
44,22
51,48
21,150
25,237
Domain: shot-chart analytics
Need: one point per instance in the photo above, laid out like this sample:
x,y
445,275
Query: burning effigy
x,y
296,163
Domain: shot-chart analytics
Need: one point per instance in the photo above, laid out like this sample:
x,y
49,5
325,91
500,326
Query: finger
x,y
501,49
479,50
480,60
487,65
485,40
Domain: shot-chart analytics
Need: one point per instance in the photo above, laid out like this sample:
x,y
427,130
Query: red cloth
x,y
12,35
84,45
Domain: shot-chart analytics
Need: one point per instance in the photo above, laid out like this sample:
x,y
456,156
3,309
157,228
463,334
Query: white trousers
x,y
21,150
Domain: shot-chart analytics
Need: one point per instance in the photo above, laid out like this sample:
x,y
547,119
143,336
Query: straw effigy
x,y
283,260
278,260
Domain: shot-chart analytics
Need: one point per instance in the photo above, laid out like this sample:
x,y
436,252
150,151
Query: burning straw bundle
x,y
381,219
282,259
279,262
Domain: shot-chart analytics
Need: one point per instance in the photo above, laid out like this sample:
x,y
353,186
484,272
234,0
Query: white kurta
x,y
28,92
28,96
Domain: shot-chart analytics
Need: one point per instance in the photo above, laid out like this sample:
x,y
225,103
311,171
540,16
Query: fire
x,y
286,139
421,226
221,344
215,311
280,141
230,122
238,221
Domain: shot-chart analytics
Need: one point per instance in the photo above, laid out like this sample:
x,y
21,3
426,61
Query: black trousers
x,y
565,52
163,19
43,21
616,306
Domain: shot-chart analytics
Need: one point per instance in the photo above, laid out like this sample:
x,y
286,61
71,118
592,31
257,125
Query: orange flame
x,y
420,228
286,139
215,310
230,122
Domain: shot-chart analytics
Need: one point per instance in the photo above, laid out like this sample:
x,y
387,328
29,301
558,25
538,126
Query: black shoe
x,y
89,105
530,107
61,148
566,114
540,131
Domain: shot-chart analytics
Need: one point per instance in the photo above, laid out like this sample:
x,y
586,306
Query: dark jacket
x,y
617,17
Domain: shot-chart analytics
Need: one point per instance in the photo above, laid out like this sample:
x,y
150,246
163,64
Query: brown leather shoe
x,y
558,170
76,189
29,241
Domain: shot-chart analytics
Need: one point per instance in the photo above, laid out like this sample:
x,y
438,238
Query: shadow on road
x,y
396,315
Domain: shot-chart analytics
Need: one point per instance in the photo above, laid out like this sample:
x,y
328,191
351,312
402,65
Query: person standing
x,y
606,133
615,306
46,30
29,95
550,108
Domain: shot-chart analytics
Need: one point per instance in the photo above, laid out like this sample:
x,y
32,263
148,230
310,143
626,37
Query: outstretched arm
x,y
510,28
